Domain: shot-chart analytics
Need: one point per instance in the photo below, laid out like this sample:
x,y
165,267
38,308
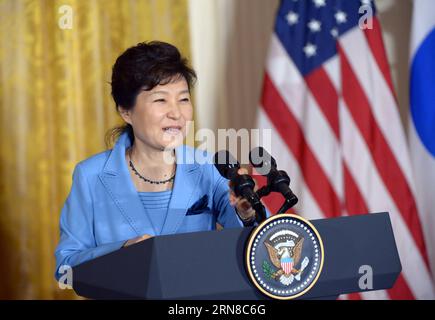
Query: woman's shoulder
x,y
95,163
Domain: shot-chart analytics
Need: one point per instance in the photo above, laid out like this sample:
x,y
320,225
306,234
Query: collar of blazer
x,y
116,179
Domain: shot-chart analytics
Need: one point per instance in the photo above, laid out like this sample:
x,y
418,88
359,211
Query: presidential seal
x,y
284,256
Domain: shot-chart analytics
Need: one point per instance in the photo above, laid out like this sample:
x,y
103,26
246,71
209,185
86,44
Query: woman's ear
x,y
125,114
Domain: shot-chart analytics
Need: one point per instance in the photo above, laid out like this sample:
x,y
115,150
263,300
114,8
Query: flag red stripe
x,y
292,134
376,44
400,290
354,201
354,296
326,96
383,157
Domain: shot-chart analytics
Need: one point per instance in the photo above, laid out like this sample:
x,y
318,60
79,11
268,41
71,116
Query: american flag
x,y
287,265
329,99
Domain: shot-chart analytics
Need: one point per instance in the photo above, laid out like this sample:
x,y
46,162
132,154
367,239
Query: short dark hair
x,y
145,66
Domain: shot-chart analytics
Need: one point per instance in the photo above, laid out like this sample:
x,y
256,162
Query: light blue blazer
x,y
103,209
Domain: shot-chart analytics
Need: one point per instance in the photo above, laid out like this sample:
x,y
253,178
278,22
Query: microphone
x,y
277,180
242,184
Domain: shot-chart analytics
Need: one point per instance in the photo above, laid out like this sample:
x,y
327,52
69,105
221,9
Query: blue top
x,y
156,207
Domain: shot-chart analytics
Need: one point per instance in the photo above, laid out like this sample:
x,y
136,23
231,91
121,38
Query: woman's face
x,y
160,115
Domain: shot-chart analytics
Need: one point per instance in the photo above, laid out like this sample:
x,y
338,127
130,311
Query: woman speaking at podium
x,y
149,183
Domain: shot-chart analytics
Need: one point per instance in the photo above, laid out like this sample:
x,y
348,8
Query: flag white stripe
x,y
425,192
421,26
332,69
301,103
375,295
380,97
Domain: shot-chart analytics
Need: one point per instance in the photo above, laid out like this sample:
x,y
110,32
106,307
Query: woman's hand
x,y
244,208
136,240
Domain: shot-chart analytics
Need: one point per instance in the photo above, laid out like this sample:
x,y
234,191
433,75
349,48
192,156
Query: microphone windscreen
x,y
262,161
226,164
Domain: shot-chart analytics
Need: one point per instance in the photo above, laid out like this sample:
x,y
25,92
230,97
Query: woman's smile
x,y
173,130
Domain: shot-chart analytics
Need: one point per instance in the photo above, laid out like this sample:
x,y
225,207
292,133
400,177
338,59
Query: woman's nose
x,y
175,111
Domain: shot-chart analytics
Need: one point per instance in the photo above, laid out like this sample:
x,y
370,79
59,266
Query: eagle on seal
x,y
285,249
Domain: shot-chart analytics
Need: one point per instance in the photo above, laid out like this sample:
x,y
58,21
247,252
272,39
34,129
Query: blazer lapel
x,y
186,180
116,179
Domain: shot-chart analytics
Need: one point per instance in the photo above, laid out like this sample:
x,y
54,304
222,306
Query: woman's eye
x,y
159,100
185,100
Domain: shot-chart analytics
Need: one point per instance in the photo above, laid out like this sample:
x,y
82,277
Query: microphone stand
x,y
289,202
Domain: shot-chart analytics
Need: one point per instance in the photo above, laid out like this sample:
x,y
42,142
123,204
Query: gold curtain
x,y
55,110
